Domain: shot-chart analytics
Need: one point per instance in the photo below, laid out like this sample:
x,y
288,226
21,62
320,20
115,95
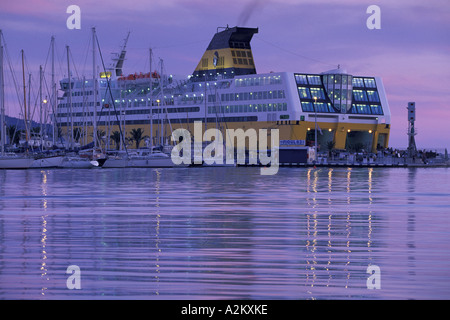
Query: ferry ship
x,y
345,111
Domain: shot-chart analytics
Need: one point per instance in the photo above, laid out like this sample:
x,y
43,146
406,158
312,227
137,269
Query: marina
x,y
314,115
210,162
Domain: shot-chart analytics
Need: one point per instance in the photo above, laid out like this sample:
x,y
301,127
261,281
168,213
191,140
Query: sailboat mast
x,y
162,103
24,98
151,102
55,98
40,109
94,84
2,100
70,99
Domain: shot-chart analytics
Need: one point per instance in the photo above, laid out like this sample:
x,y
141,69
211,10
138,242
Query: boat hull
x,y
15,163
79,163
115,163
51,162
157,162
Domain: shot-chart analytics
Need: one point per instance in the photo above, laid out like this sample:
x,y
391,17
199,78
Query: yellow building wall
x,y
288,130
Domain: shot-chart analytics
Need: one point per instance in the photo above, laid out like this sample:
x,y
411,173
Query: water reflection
x,y
213,233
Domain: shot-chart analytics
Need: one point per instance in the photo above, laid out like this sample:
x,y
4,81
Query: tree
x,y
13,134
116,137
137,135
77,134
330,147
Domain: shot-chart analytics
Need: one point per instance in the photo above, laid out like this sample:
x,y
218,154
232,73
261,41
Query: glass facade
x,y
338,93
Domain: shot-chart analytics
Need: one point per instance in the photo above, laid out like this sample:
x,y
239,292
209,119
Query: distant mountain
x,y
20,124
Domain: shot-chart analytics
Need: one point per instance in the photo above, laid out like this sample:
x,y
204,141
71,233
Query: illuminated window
x,y
315,80
304,93
370,83
359,95
358,82
301,79
317,92
376,109
307,107
373,96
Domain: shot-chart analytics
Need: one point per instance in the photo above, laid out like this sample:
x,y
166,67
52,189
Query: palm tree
x,y
77,134
330,147
116,138
137,135
13,134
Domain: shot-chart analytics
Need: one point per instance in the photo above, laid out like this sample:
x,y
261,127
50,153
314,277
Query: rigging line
x,y
294,53
73,64
13,75
108,81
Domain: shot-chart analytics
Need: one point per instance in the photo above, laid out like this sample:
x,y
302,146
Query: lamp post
x,y
315,128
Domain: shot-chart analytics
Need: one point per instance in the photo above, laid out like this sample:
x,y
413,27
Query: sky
x,y
410,52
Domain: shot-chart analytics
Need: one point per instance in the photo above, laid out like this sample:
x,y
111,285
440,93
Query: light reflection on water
x,y
225,233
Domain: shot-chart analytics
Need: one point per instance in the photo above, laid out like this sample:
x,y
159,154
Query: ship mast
x,y
151,101
24,99
94,84
2,100
55,98
70,100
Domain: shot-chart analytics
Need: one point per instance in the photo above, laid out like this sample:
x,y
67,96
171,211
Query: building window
x,y
376,109
370,83
301,79
358,82
373,96
359,95
317,92
304,93
307,107
314,80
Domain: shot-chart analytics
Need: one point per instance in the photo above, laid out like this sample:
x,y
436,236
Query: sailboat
x,y
8,160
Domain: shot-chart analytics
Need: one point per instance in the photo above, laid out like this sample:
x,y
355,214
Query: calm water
x,y
225,233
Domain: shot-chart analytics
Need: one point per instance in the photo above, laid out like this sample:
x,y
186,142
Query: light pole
x,y
315,128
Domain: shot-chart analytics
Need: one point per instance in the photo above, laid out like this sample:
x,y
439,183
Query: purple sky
x,y
411,51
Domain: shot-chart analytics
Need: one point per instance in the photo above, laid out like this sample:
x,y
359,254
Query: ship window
x,y
358,82
301,79
304,93
359,95
317,92
337,79
314,80
363,108
321,107
376,109
370,83
373,96
307,107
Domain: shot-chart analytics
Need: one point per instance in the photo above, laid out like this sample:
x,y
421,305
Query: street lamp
x,y
315,127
